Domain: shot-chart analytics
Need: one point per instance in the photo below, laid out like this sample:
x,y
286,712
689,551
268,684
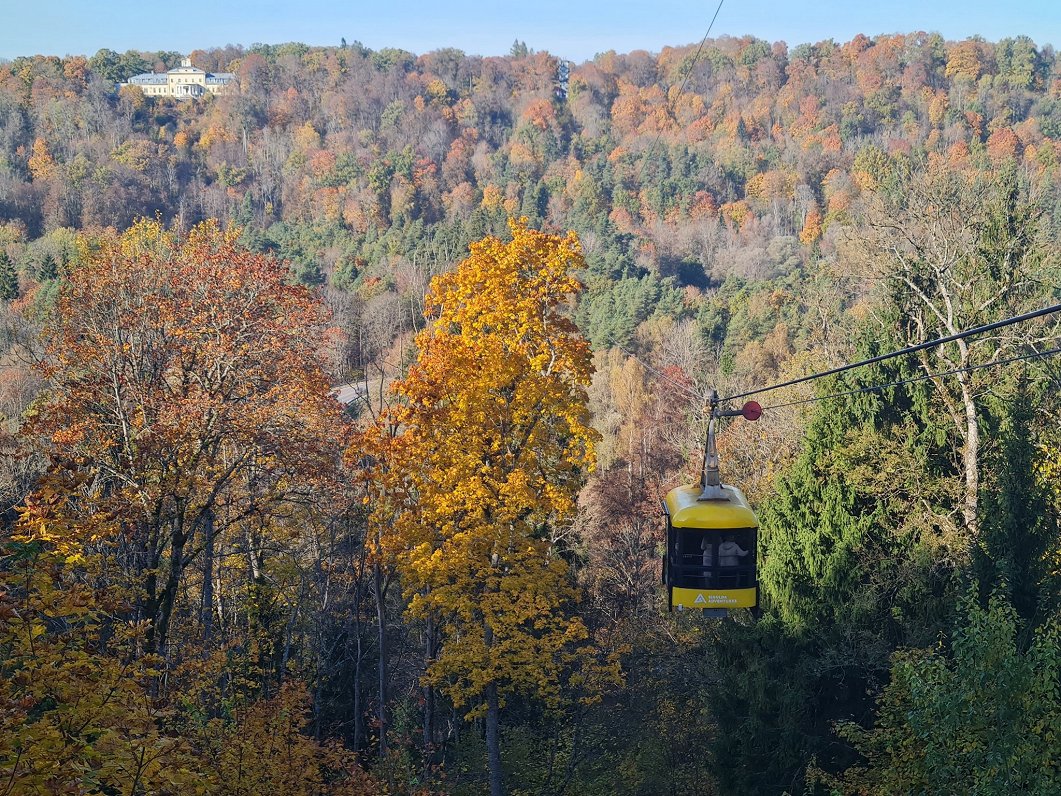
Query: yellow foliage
x,y
438,92
41,163
492,197
521,154
773,184
494,443
966,59
72,718
307,138
812,227
262,749
736,212
78,715
215,134
937,108
13,231
137,154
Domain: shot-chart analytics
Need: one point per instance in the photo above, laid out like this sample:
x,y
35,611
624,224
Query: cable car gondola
x,y
712,536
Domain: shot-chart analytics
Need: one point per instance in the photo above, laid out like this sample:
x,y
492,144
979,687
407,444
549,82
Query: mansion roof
x,y
161,78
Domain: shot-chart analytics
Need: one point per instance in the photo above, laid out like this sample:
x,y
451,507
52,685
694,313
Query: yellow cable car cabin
x,y
711,550
712,536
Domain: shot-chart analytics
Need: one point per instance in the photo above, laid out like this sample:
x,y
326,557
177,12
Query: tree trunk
x,y
158,631
359,652
971,462
493,727
254,557
206,609
429,698
358,720
381,620
493,739
165,610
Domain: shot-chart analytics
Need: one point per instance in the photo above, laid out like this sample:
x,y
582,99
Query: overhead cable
x,y
903,351
923,377
692,66
660,373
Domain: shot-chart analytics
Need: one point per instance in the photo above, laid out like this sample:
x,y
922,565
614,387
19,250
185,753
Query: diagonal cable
x,y
903,351
924,377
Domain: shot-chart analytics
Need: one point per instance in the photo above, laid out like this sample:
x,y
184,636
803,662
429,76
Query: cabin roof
x,y
686,510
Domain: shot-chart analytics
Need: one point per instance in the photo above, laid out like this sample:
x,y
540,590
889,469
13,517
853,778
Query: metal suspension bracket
x,y
711,481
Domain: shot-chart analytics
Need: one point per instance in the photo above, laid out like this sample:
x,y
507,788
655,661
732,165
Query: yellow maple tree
x,y
494,445
41,163
79,714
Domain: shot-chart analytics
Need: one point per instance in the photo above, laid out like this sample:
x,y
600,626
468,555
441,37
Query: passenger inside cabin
x,y
729,555
729,551
706,547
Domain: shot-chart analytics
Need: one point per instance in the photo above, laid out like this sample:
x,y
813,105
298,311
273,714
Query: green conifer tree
x,y
8,278
850,570
1020,525
48,269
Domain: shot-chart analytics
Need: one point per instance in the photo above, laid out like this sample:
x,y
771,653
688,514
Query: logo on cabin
x,y
724,599
700,600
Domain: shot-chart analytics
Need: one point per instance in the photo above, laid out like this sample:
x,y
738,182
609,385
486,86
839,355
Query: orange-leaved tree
x,y
495,442
187,401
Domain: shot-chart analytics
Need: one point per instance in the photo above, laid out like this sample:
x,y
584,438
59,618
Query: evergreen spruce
x,y
1019,523
848,575
8,278
48,269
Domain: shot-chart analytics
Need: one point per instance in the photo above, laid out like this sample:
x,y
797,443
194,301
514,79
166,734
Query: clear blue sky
x,y
575,29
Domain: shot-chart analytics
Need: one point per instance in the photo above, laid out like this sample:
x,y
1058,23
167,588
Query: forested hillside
x,y
216,579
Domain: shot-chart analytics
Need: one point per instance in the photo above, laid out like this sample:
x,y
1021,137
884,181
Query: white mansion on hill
x,y
184,81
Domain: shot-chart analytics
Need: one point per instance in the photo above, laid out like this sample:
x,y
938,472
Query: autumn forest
x,y
522,277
